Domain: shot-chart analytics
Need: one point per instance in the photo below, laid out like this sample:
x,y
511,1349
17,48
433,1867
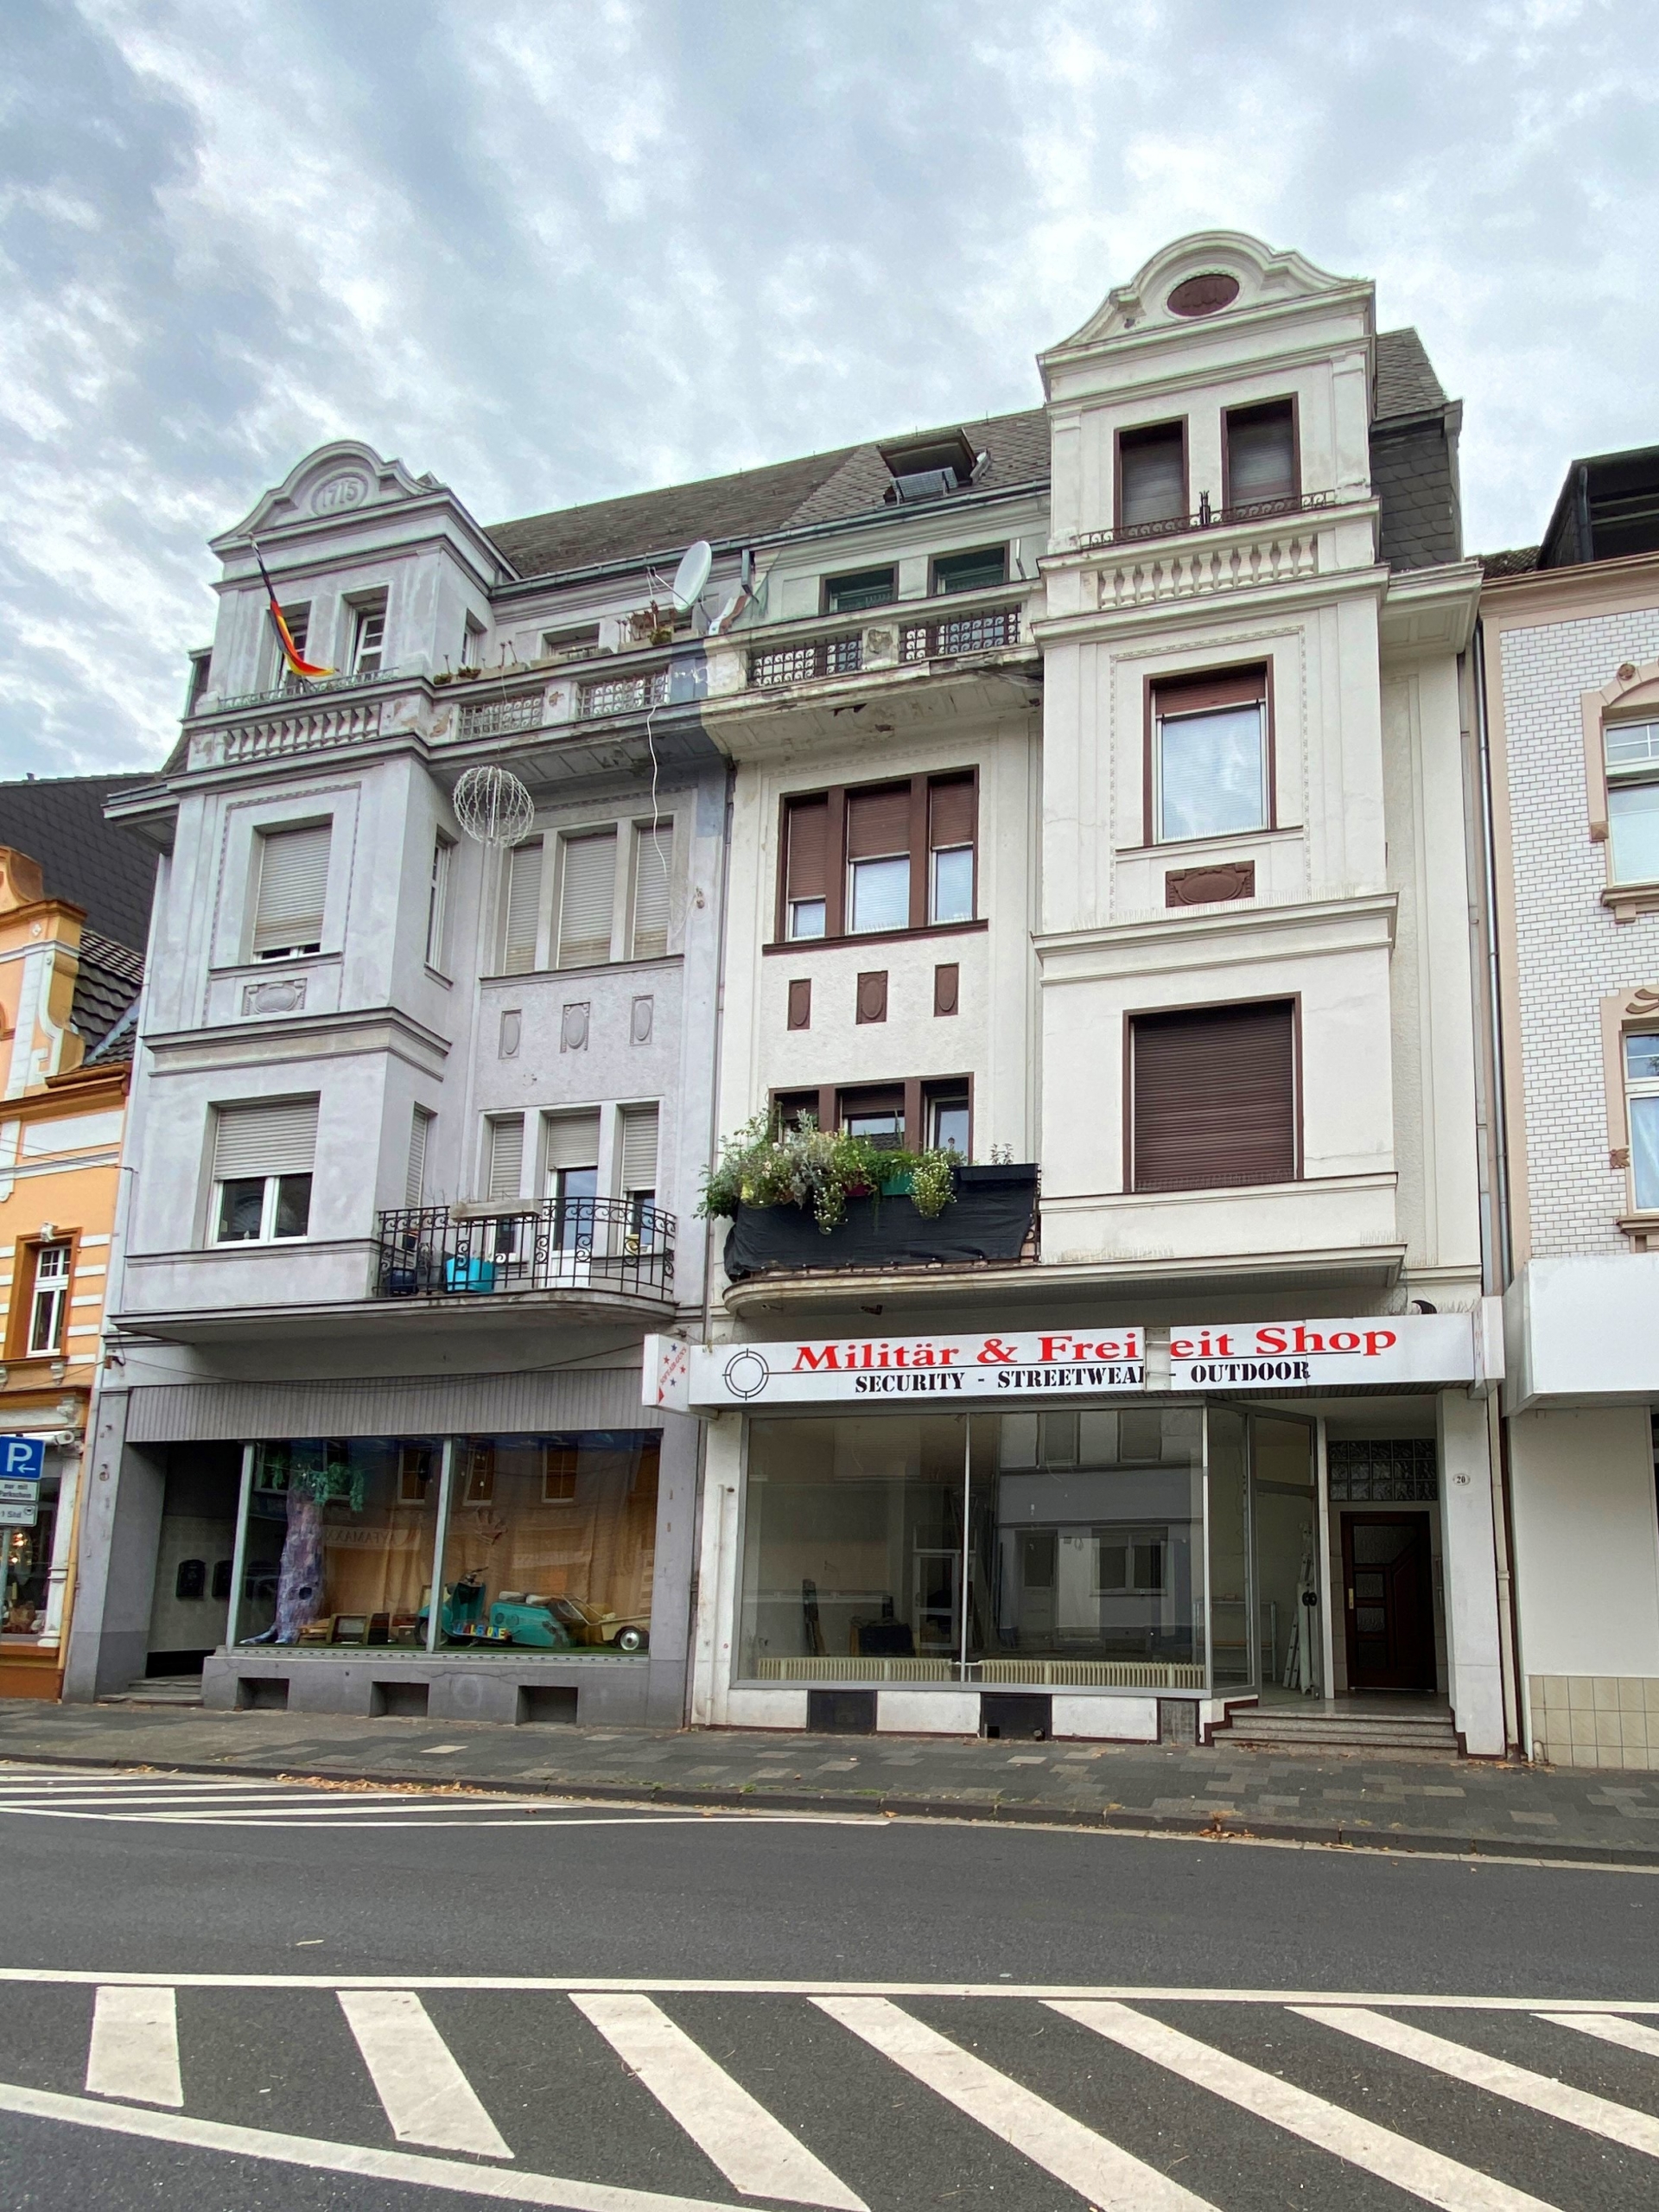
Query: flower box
x,y
988,1220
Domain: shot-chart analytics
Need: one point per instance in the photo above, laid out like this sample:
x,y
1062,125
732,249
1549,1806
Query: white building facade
x,y
1178,663
1570,661
416,1128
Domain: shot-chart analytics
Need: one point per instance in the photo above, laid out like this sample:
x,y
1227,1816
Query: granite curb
x,y
1214,1828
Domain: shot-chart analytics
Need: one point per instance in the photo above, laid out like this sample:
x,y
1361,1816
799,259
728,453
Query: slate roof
x,y
788,494
1406,382
59,821
106,990
1519,560
1418,487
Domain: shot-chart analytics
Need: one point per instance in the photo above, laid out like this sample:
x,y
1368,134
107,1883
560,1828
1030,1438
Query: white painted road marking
x,y
1637,2130
1107,2176
757,2154
135,2046
427,2097
1427,2173
1610,2028
323,2157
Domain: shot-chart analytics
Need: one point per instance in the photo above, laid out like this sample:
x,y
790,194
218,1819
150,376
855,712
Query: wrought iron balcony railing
x,y
624,1247
977,630
818,657
1208,518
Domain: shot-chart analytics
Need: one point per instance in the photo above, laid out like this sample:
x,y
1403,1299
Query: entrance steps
x,y
157,1689
1344,1727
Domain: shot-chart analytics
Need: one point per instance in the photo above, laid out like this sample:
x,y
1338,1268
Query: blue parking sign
x,y
23,1458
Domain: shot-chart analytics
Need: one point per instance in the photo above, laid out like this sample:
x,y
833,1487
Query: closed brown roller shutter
x,y
806,873
878,823
950,812
1222,687
1214,1097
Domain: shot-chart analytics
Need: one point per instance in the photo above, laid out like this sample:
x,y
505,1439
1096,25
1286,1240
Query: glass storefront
x,y
1112,1546
541,1543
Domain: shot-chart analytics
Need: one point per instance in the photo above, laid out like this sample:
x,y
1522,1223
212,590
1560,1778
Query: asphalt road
x,y
226,1995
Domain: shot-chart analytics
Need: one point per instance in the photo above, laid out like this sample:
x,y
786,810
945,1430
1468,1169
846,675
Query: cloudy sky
x,y
553,250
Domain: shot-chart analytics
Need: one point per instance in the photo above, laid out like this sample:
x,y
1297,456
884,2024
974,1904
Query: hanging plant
x,y
810,1167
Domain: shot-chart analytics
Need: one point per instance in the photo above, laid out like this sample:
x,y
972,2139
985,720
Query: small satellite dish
x,y
493,807
692,574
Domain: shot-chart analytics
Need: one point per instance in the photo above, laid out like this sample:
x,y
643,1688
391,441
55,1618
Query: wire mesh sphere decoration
x,y
493,807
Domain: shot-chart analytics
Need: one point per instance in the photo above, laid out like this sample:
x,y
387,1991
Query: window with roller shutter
x,y
291,883
1213,1097
503,1157
571,1155
653,852
264,1154
879,859
420,1131
806,828
522,933
587,896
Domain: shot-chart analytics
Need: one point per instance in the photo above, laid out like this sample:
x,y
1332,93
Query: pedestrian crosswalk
x,y
223,1801
692,2096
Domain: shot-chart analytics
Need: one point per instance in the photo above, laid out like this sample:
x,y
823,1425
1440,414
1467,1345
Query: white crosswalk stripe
x,y
1427,2173
135,2047
1638,2130
427,2097
133,2083
1609,2027
1107,2176
755,2152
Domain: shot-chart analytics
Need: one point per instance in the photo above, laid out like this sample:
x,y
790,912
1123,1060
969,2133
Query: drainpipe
x,y
708,1241
1499,1266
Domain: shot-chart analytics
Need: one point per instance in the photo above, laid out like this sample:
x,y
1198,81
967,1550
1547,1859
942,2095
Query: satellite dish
x,y
727,612
692,574
493,807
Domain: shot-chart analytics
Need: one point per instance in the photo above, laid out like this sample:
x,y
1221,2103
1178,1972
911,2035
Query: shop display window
x,y
551,1542
1084,1558
547,1543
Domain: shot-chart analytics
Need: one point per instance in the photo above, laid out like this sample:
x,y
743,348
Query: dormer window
x,y
1151,476
1259,455
931,468
369,637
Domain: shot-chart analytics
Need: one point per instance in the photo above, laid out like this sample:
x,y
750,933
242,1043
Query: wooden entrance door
x,y
1390,1606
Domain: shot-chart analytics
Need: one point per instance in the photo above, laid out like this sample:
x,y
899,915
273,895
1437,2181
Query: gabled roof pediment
x,y
345,479
1209,276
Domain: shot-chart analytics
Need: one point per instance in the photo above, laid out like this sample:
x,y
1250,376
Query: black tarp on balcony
x,y
990,1218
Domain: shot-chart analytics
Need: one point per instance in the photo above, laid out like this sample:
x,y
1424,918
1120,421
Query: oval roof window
x,y
1206,295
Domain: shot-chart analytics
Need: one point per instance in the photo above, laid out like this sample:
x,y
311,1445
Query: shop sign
x,y
1377,1351
888,1371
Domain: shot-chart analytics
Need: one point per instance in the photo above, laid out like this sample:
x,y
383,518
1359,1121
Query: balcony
x,y
1207,518
502,717
609,1247
804,664
977,630
992,1222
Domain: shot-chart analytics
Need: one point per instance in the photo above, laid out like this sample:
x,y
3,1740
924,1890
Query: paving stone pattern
x,y
1406,1800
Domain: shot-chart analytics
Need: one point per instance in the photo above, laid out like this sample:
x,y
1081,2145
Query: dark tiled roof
x,y
1519,560
107,988
789,494
1406,382
59,821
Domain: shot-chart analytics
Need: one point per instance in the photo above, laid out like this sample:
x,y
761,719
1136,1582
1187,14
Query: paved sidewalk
x,y
1401,1802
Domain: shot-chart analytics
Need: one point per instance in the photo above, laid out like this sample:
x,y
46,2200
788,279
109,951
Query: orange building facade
x,y
66,996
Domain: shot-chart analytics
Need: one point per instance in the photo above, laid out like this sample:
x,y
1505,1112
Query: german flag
x,y
291,653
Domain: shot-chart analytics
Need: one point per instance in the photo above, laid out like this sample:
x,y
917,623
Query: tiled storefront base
x,y
1601,1721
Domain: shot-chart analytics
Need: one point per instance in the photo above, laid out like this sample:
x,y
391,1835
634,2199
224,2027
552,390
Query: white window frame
x,y
1638,1087
369,617
268,1231
1160,835
54,1290
1629,775
438,903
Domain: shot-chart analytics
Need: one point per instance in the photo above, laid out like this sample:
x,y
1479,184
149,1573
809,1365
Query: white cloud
x,y
557,249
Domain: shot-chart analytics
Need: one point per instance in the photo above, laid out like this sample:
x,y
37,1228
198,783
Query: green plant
x,y
810,1167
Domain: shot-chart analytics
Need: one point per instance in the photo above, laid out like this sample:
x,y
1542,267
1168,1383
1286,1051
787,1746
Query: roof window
x,y
931,468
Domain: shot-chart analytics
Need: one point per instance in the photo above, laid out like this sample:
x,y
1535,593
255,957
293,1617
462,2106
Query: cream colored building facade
x,y
1125,929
